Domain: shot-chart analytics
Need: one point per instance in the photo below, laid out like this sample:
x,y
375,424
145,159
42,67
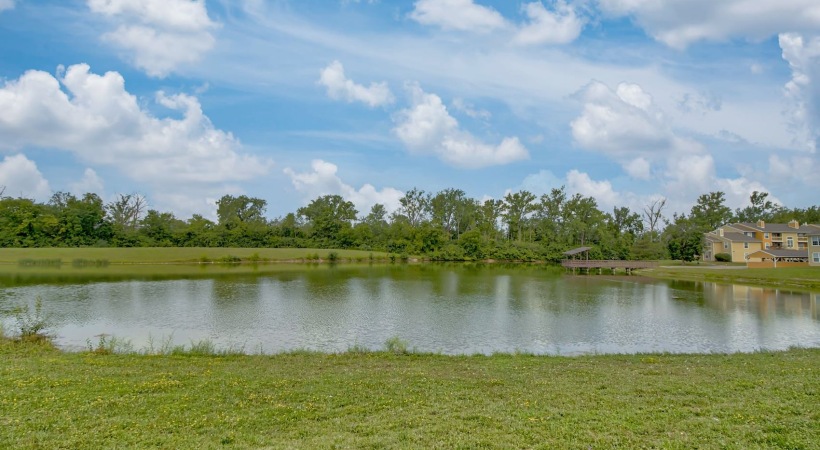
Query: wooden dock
x,y
586,264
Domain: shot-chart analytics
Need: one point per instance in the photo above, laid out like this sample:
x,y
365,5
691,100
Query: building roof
x,y
780,253
576,251
740,237
711,237
779,228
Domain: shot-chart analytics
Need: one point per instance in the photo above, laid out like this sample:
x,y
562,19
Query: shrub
x,y
333,257
723,257
57,262
80,262
230,259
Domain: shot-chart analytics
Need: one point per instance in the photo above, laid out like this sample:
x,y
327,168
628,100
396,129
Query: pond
x,y
448,308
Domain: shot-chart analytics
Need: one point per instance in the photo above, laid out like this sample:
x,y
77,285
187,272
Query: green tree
x,y
710,212
327,216
487,218
81,221
759,208
161,228
517,207
233,211
684,238
415,207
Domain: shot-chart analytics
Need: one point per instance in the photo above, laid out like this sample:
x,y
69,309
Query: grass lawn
x,y
50,399
150,255
788,277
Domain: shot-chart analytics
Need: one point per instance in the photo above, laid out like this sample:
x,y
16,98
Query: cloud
x,y
460,15
427,127
547,27
323,180
624,123
90,182
803,90
21,178
470,110
339,87
6,4
679,23
638,168
601,191
161,34
99,122
795,170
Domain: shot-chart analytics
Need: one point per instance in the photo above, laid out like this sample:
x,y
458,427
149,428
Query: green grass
x,y
56,400
149,255
788,277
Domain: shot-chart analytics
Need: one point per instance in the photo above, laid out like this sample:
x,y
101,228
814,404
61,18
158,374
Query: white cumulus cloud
x,y
803,90
339,87
560,26
601,191
625,124
679,23
461,15
427,127
161,34
90,182
21,178
323,180
101,123
639,168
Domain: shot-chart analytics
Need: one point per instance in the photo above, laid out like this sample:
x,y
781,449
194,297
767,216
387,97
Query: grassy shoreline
x,y
160,255
51,399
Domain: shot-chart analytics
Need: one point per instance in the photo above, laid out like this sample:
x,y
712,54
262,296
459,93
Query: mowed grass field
x,y
151,255
54,400
788,277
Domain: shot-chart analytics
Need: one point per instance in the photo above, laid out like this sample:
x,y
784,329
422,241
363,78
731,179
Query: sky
x,y
626,101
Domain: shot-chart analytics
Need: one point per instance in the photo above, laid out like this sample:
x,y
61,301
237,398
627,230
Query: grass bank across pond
x,y
50,399
787,277
149,255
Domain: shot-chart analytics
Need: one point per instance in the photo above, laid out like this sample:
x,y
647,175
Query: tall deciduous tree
x,y
232,211
653,216
684,238
710,212
517,206
126,211
328,216
415,207
759,208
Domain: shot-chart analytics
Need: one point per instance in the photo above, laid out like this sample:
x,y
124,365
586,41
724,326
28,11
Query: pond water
x,y
452,309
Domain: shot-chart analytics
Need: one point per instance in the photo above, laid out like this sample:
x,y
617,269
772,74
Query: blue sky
x,y
623,100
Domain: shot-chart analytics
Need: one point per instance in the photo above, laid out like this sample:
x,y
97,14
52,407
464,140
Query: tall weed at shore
x,y
32,325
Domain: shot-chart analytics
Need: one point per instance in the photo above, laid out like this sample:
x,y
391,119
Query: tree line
x,y
447,225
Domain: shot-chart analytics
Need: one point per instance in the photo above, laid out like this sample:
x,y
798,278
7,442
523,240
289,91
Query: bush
x,y
723,257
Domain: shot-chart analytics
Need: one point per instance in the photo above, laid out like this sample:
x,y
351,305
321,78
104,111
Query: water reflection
x,y
441,308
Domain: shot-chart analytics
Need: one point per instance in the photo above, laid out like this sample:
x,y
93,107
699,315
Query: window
x,y
790,242
766,235
768,246
745,245
815,257
726,246
815,240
